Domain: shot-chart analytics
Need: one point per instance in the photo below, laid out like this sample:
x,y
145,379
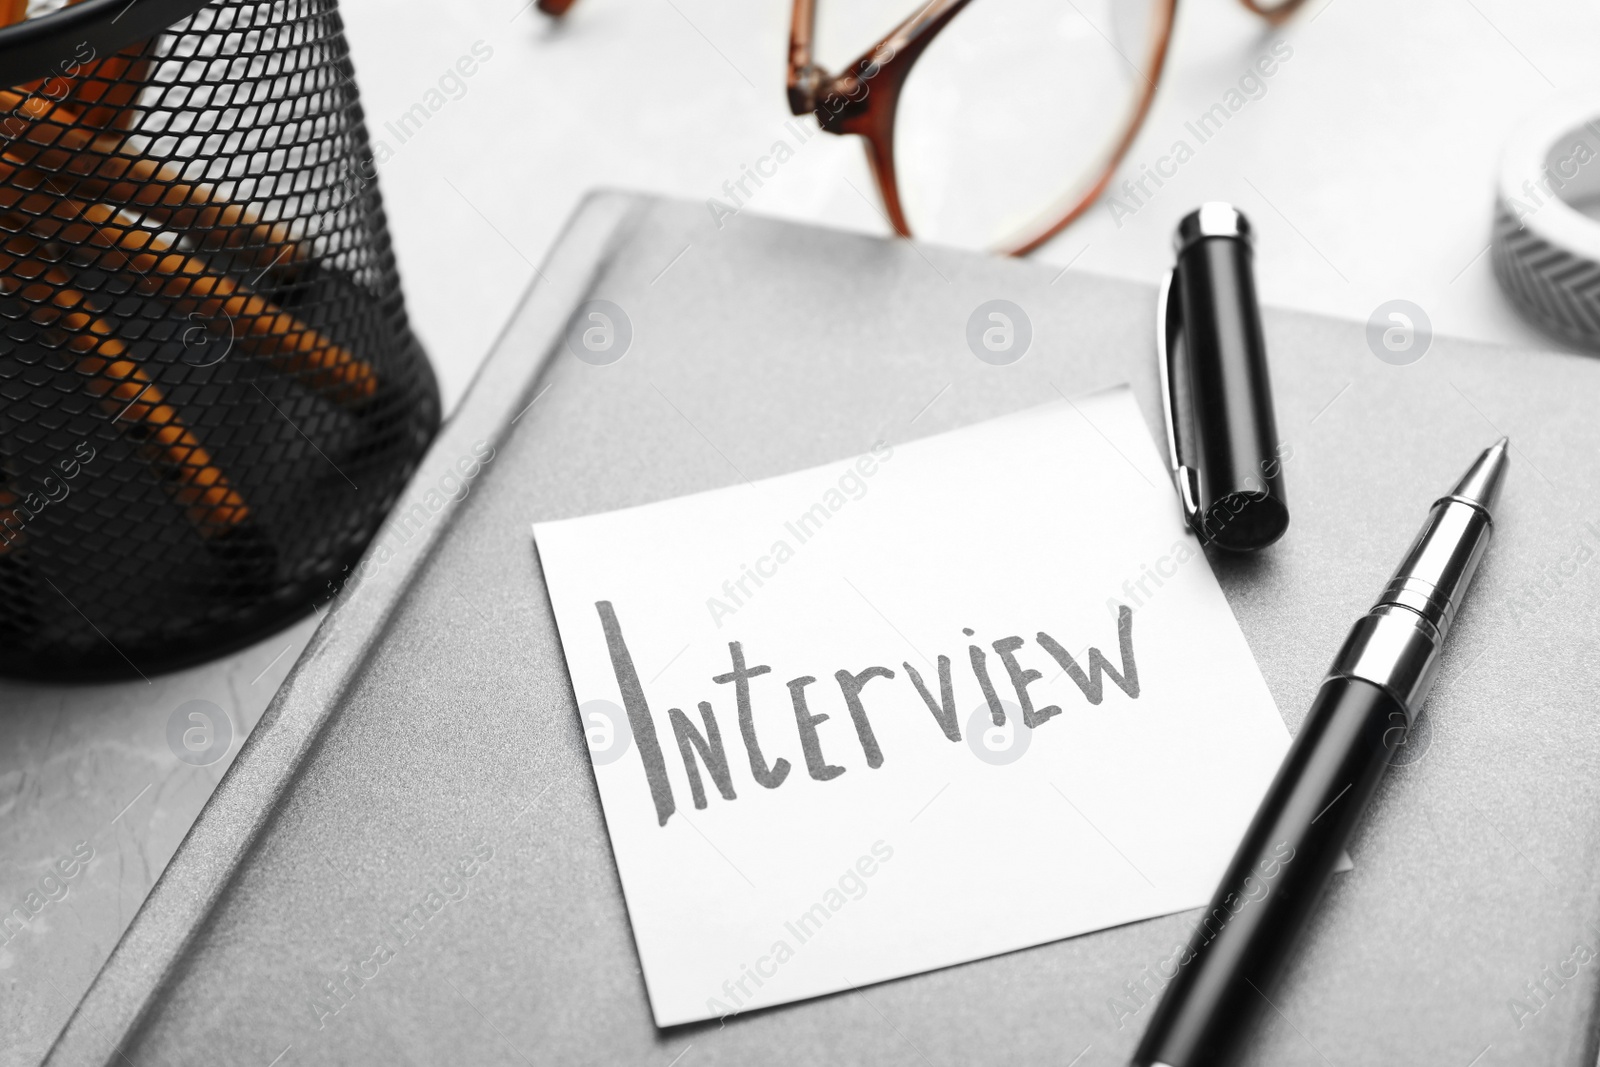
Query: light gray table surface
x,y
432,711
1366,168
90,764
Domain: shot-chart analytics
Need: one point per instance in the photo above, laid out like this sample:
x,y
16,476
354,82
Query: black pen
x,y
1368,701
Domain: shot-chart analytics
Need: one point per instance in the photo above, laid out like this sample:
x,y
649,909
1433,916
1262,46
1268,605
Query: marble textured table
x,y
1366,168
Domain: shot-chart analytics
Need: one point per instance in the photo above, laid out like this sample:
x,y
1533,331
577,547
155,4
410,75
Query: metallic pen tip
x,y
1481,484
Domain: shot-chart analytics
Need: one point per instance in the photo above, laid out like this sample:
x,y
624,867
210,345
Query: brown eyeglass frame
x,y
846,102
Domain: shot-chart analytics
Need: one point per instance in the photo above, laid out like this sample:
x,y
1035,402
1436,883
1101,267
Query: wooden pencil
x,y
166,271
123,389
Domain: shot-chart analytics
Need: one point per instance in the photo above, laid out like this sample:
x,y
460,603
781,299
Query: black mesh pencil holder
x,y
209,393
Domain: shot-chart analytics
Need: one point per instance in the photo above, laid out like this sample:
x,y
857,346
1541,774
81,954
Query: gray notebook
x,y
429,731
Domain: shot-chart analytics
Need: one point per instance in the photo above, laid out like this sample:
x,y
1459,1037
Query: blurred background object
x,y
997,125
209,393
997,128
1547,220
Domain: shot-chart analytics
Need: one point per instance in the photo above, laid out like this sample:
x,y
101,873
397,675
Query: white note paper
x,y
909,832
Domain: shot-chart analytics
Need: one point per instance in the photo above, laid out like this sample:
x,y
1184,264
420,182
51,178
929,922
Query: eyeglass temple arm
x,y
803,76
809,84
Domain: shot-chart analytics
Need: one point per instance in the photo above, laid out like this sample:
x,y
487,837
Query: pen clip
x,y
1169,322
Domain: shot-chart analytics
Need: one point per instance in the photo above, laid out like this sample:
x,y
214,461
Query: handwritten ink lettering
x,y
706,748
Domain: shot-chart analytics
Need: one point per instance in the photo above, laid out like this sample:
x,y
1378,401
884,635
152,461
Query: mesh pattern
x,y
209,394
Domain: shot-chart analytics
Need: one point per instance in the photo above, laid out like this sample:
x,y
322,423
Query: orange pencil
x,y
290,345
125,391
59,134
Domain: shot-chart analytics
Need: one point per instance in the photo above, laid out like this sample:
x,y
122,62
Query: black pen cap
x,y
1221,429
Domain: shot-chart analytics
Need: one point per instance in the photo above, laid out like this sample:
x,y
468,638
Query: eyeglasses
x,y
999,129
